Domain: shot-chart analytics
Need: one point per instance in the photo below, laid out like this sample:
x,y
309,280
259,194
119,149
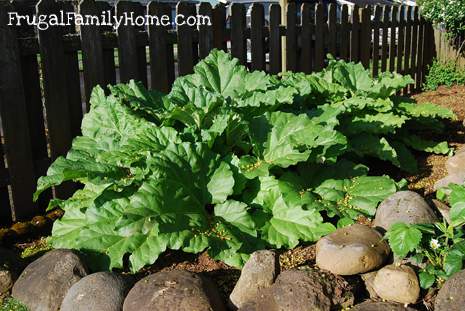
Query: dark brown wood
x,y
365,38
109,66
420,53
345,33
73,79
428,49
55,85
291,38
14,117
384,39
219,27
6,216
140,12
320,30
393,39
355,35
413,55
306,37
238,35
332,29
257,37
92,51
408,43
400,39
186,54
376,35
275,39
127,44
205,30
161,51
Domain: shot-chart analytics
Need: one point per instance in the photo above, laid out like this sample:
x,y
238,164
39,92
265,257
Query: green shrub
x,y
231,161
449,13
443,74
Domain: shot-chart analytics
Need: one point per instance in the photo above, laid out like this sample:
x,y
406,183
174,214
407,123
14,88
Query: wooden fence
x,y
450,49
44,86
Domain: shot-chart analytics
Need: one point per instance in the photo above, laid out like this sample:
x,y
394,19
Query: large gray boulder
x,y
404,206
303,290
102,291
45,282
174,291
406,289
451,295
456,163
259,272
380,306
453,178
352,250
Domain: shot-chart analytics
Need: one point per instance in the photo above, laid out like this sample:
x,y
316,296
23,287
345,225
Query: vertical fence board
x,y
413,56
408,43
319,31
92,51
345,33
127,45
365,38
6,209
291,38
306,53
140,10
14,122
355,35
400,38
205,30
393,38
332,29
219,27
384,39
161,51
421,31
257,37
376,36
73,79
109,67
186,57
238,36
275,39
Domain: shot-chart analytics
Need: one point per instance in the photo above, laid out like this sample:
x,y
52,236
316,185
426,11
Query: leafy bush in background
x,y
450,13
443,74
232,161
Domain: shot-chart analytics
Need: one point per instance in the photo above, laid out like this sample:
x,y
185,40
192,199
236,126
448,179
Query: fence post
x,y
15,121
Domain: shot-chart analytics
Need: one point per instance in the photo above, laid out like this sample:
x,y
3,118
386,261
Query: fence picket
x,y
421,33
257,37
413,56
376,35
306,53
92,51
400,39
365,38
408,43
344,32
219,27
127,45
109,66
238,36
275,39
384,39
14,117
393,38
355,35
186,56
161,51
140,10
332,29
320,30
291,38
205,31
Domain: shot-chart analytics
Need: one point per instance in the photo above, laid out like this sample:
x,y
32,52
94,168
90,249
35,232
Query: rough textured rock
x,y
454,178
444,209
451,296
304,289
259,272
403,206
44,283
351,250
456,163
406,289
102,291
173,291
380,306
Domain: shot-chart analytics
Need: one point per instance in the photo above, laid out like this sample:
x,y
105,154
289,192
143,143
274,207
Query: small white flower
x,y
434,244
